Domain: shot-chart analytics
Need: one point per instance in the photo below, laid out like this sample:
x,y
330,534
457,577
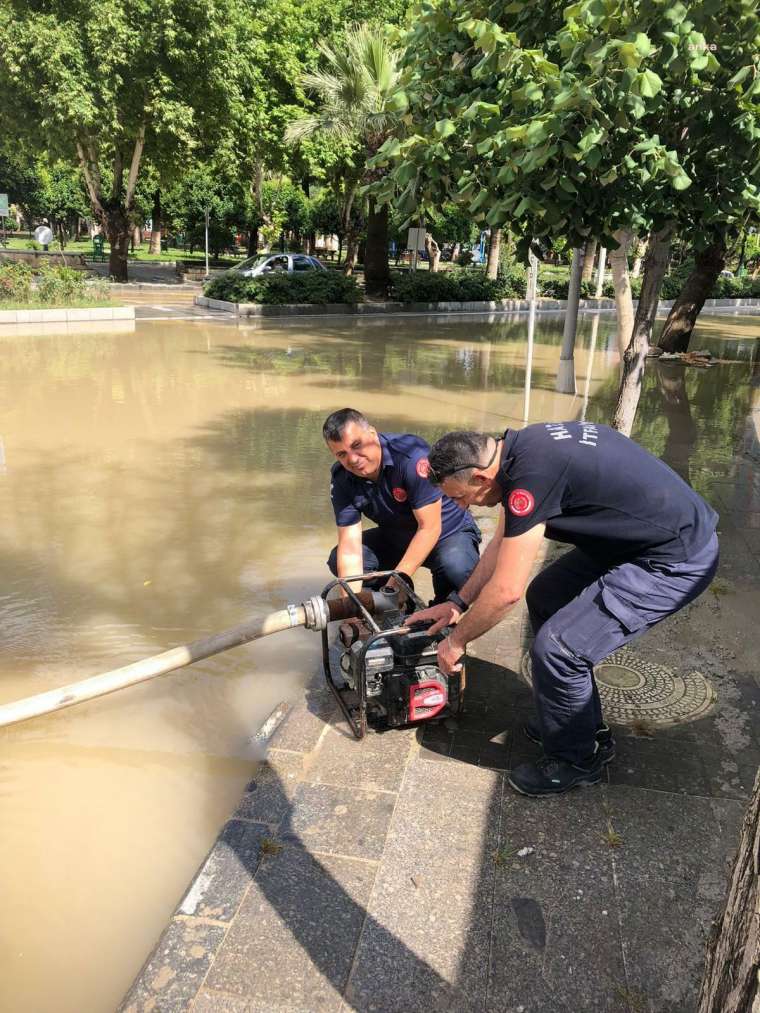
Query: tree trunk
x,y
376,273
566,372
588,259
492,263
433,252
340,246
155,236
634,359
136,237
730,983
352,253
683,314
640,251
118,231
622,283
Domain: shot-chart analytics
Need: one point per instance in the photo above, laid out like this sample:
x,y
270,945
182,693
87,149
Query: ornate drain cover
x,y
633,689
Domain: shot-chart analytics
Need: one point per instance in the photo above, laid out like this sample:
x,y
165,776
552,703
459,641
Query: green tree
x,y
360,101
593,127
106,84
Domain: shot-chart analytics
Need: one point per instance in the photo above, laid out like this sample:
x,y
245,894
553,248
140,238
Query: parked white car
x,y
276,263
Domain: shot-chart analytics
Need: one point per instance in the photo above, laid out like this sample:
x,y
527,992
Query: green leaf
x,y
649,84
629,55
681,182
445,128
567,185
674,13
739,76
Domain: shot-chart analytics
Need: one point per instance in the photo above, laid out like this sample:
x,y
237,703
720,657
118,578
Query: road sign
x,y
416,239
3,205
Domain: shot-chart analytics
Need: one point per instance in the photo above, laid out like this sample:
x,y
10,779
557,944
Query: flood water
x,y
165,482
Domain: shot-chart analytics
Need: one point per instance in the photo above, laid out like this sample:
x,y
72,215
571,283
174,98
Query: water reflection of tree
x,y
717,401
682,430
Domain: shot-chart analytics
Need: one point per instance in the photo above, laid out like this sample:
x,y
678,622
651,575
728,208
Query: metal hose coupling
x,y
316,613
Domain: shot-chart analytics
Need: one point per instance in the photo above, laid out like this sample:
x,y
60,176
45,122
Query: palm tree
x,y
361,100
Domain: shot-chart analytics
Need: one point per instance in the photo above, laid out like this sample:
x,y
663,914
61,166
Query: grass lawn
x,y
141,254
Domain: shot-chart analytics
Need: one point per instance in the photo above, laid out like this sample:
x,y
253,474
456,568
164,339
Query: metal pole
x,y
207,213
600,271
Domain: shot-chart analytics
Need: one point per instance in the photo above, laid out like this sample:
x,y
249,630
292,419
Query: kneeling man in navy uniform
x,y
644,546
383,476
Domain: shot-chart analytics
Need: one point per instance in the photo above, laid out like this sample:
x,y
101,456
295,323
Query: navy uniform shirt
x,y
594,488
402,487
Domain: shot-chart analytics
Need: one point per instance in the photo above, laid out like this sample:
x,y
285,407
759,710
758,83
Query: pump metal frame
x,y
357,716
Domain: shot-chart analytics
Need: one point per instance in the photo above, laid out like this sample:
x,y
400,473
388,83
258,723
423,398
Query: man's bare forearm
x,y
417,551
482,572
492,604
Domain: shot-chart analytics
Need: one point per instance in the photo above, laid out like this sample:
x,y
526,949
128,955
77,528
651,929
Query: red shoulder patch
x,y
423,467
521,502
399,494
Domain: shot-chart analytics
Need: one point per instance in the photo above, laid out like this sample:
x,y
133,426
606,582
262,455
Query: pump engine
x,y
386,673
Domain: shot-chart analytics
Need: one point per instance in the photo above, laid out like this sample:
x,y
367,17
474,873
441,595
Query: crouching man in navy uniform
x,y
644,546
383,476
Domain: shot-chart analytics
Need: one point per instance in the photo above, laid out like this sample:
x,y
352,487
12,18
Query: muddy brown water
x,y
168,480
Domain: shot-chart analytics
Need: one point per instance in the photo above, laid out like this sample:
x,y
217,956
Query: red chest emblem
x,y
423,467
399,495
521,502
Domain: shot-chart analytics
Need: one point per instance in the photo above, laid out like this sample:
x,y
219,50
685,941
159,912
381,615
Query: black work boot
x,y
604,739
551,775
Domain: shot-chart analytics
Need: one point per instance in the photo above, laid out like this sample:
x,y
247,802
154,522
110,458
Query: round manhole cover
x,y
634,690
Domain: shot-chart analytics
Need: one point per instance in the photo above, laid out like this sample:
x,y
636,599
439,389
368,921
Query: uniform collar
x,y
387,455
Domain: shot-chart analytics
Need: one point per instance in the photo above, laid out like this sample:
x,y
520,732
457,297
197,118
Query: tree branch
x,y
93,184
134,167
118,175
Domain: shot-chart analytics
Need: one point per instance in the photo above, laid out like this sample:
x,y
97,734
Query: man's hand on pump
x,y
444,614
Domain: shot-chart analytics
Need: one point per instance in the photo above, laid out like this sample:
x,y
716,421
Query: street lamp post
x,y
207,214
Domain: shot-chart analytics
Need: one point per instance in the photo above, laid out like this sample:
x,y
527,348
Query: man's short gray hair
x,y
334,424
454,452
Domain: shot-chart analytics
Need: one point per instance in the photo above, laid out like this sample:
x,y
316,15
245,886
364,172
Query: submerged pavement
x,y
402,873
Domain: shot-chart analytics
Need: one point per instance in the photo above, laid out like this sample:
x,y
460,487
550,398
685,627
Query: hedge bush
x,y
48,286
456,286
318,287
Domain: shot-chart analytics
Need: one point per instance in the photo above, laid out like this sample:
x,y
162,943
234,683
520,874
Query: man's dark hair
x,y
334,425
454,452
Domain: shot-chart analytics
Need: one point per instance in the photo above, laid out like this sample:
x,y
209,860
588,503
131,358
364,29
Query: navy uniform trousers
x,y
451,562
581,611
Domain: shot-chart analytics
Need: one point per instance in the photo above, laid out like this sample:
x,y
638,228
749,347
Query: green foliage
x,y
557,288
318,287
15,282
608,117
47,286
454,286
725,287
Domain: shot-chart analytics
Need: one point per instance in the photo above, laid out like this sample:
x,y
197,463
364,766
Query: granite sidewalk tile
x,y
269,794
293,940
226,874
176,968
555,937
342,821
671,874
426,939
376,762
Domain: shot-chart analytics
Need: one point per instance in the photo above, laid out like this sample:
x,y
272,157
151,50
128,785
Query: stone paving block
x,y
304,725
426,941
293,940
555,935
268,796
661,764
226,874
176,969
375,762
344,821
671,873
